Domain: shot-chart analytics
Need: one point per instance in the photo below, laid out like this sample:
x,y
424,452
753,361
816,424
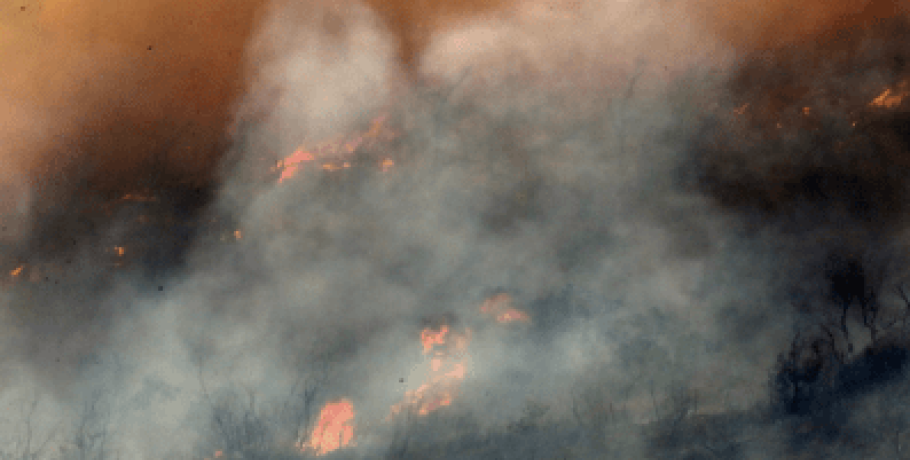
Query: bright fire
x,y
446,351
448,367
892,98
290,164
330,152
500,306
334,430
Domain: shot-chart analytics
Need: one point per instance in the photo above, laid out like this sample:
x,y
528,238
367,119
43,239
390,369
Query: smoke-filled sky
x,y
568,153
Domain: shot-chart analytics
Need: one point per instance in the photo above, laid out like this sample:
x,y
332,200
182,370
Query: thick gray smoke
x,y
551,152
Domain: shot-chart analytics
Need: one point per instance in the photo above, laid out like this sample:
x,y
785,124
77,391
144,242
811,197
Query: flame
x,y
889,99
386,164
448,367
120,250
502,309
429,338
290,165
741,109
445,349
447,353
238,234
16,271
335,428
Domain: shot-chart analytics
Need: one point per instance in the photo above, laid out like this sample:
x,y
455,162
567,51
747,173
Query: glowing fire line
x,y
291,165
334,430
446,350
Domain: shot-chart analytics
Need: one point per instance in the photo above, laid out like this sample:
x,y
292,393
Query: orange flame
x,y
290,165
741,109
889,99
500,306
429,337
447,369
335,428
17,270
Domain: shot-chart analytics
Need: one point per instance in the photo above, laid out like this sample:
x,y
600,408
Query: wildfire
x,y
291,164
448,366
119,250
445,349
429,337
331,151
15,272
889,98
500,306
334,430
741,109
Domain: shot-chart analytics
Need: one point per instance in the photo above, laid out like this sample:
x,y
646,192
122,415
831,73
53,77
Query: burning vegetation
x,y
334,428
817,130
446,349
436,237
338,154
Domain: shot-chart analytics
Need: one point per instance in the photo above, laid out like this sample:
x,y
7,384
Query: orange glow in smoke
x,y
17,270
500,306
889,98
429,337
448,367
334,430
331,152
290,164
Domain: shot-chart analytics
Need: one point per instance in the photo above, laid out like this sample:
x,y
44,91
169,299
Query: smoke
x,y
111,99
755,25
502,180
568,154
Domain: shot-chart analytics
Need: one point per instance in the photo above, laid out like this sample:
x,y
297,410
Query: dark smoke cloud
x,y
796,144
755,25
119,85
